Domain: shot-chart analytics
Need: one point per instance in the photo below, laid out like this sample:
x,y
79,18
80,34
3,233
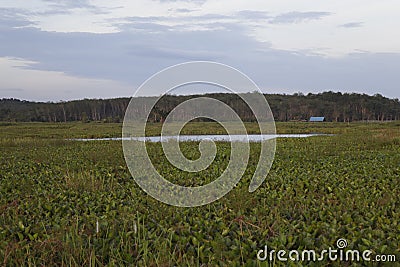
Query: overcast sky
x,y
62,50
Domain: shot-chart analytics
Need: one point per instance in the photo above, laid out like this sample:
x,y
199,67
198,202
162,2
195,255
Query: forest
x,y
334,106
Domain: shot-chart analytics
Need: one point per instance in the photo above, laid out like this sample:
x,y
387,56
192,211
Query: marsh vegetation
x,y
65,202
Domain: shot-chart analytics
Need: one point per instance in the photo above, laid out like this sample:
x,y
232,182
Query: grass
x,y
68,203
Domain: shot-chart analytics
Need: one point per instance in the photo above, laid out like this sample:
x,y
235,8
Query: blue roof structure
x,y
317,119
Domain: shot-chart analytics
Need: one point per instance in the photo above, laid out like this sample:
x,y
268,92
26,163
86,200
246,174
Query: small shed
x,y
317,119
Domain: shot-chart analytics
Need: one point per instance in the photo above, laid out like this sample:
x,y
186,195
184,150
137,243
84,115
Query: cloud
x,y
69,4
149,27
131,57
79,62
14,18
66,7
163,23
253,14
352,25
11,90
209,16
298,17
197,2
184,10
42,85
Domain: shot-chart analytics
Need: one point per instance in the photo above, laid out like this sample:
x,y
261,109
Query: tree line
x,y
334,106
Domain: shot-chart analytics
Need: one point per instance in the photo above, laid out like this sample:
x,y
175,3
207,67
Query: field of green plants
x,y
74,203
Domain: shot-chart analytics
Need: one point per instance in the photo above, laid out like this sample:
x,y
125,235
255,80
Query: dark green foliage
x,y
333,106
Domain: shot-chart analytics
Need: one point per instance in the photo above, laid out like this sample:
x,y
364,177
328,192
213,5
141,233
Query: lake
x,y
219,138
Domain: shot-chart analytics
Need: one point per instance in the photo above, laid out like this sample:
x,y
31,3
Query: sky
x,y
56,50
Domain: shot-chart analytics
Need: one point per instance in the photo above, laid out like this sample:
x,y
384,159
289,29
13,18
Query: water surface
x,y
220,138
